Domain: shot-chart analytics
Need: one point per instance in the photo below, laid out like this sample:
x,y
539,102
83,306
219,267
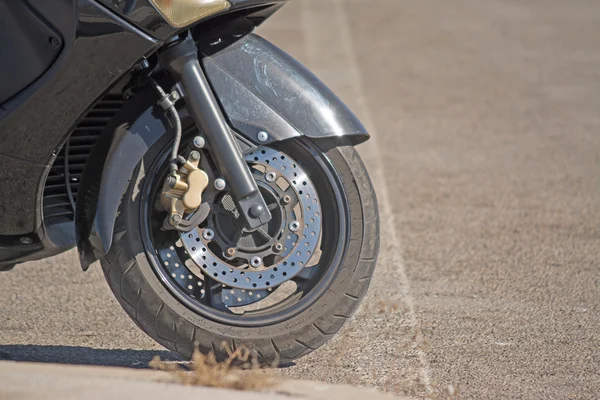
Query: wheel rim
x,y
191,284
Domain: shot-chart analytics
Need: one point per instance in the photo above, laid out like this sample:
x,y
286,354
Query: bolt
x,y
54,42
286,200
271,176
208,234
175,219
262,136
230,252
278,247
199,142
171,181
194,156
256,261
294,226
257,210
26,240
220,184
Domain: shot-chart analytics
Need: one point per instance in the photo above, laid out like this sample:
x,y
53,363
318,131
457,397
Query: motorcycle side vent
x,y
62,184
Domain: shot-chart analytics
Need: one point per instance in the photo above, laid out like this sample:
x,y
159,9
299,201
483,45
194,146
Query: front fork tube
x,y
181,60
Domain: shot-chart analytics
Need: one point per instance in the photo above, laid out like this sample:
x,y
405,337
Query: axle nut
x,y
257,210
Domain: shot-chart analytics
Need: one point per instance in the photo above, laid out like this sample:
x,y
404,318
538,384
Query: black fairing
x,y
33,46
260,88
97,48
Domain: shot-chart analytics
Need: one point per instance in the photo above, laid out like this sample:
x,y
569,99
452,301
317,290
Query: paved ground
x,y
486,158
36,381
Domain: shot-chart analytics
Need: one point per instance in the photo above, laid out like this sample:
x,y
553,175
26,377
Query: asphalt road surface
x,y
486,159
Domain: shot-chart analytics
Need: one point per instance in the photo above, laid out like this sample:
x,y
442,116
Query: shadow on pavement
x,y
84,355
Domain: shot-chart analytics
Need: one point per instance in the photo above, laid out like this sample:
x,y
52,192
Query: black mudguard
x,y
260,87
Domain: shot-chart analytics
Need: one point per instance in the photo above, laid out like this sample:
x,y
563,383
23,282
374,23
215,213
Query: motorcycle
x,y
212,176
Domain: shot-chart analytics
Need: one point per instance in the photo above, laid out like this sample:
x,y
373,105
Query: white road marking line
x,y
340,18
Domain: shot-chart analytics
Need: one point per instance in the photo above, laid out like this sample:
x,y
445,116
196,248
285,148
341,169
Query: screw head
x,y
262,136
286,200
277,247
257,210
220,184
294,226
271,176
208,234
194,156
199,142
54,42
171,181
175,219
256,261
230,252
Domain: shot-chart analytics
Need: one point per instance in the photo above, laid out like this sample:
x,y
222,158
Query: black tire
x,y
158,313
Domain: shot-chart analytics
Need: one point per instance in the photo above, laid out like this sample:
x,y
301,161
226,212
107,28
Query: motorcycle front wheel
x,y
281,291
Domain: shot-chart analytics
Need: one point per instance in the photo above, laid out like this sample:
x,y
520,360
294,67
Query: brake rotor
x,y
299,230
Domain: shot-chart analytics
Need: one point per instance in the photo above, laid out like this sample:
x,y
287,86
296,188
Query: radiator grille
x,y
62,184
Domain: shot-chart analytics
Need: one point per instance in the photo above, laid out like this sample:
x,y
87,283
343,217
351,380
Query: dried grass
x,y
240,371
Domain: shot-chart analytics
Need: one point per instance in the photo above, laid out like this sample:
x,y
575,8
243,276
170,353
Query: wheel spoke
x,y
304,276
264,233
214,295
292,193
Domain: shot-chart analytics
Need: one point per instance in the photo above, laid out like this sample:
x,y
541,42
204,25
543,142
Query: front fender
x,y
260,88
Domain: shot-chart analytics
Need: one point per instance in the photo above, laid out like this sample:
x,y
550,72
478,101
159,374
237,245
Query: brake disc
x,y
300,233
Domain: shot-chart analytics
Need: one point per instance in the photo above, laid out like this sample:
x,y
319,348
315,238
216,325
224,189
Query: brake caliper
x,y
181,194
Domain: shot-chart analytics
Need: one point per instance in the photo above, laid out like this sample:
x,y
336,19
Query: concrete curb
x,y
22,381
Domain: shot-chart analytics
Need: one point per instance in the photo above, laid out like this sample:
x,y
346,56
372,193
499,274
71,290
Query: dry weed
x,y
240,371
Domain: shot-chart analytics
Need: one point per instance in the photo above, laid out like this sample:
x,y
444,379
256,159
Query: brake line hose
x,y
167,102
